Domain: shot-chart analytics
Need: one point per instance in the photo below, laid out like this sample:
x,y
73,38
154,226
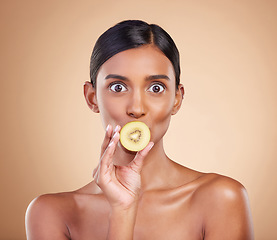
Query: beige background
x,y
50,139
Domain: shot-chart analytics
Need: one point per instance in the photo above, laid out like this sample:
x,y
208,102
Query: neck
x,y
155,168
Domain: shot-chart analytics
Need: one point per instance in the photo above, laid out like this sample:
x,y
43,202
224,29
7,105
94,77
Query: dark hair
x,y
132,34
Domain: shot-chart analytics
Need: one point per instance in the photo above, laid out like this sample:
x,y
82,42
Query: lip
x,y
120,145
150,129
134,121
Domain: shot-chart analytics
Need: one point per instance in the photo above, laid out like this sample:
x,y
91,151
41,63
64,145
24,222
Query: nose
x,y
136,106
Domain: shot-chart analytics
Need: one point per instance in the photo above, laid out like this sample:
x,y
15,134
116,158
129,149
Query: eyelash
x,y
123,85
117,83
160,85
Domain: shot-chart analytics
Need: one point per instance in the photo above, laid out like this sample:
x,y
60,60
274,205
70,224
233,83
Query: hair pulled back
x,y
132,34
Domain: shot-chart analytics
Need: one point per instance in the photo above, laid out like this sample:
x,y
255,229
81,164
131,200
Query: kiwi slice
x,y
135,136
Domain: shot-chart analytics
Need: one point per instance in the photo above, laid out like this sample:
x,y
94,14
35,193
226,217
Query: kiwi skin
x,y
134,136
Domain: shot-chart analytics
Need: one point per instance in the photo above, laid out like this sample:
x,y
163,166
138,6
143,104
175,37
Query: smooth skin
x,y
142,195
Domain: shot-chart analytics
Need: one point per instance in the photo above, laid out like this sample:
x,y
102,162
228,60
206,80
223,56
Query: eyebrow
x,y
159,76
151,77
116,77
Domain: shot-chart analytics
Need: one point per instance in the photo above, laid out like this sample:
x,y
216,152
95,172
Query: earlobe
x,y
90,96
178,99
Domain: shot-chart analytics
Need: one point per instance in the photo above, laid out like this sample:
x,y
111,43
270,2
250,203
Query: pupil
x,y
156,88
118,88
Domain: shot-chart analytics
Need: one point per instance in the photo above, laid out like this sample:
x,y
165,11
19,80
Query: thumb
x,y
137,163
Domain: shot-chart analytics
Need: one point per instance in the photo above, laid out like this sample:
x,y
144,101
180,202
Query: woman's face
x,y
138,85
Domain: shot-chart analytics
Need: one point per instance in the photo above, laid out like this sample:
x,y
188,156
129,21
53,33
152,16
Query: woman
x,y
135,77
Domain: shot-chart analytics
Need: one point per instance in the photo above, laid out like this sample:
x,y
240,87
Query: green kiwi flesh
x,y
135,136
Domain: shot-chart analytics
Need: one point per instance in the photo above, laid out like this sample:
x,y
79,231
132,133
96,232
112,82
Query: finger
x,y
107,158
137,163
95,170
116,130
96,175
107,139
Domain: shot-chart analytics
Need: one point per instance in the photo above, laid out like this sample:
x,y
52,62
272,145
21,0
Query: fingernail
x,y
152,144
108,127
111,143
116,128
115,135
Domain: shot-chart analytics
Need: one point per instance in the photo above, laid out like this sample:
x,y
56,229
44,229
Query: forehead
x,y
138,62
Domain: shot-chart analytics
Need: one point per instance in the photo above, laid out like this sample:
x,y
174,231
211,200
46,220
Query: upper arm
x,y
227,211
44,220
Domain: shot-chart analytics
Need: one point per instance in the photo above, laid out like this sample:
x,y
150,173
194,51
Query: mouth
x,y
122,125
135,135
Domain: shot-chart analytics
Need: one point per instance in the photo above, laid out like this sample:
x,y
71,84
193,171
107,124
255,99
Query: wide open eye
x,y
156,88
118,87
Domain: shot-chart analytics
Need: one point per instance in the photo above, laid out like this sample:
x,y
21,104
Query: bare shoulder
x,y
46,216
221,187
51,216
50,202
224,202
61,204
212,187
220,193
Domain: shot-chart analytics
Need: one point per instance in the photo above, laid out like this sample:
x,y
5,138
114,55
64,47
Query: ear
x,y
90,96
180,92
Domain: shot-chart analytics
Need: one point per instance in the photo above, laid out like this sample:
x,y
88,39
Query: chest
x,y
167,219
157,218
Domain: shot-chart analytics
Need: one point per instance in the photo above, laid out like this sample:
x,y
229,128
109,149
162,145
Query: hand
x,y
120,184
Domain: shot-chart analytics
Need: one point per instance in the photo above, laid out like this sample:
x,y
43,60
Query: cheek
x,y
160,117
161,108
111,109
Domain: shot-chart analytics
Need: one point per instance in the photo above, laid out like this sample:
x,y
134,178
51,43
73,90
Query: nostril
x,y
136,115
136,107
